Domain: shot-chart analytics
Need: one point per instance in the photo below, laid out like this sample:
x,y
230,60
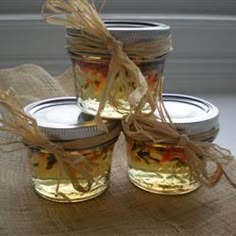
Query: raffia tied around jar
x,y
80,14
25,127
147,129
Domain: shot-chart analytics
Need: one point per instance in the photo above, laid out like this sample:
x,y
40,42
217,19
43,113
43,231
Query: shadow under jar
x,y
91,68
87,176
162,168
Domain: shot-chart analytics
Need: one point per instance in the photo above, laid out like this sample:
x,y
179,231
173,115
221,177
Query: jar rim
x,y
129,32
127,25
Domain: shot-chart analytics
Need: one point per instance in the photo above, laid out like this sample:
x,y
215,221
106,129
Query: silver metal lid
x,y
131,31
191,115
61,119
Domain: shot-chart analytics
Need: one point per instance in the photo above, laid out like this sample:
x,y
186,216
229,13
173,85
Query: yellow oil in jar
x,y
160,169
90,76
46,174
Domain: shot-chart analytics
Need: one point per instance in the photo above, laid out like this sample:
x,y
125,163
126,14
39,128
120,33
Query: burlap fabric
x,y
122,210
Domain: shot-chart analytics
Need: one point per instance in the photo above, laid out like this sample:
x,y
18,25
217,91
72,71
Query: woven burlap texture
x,y
31,82
122,210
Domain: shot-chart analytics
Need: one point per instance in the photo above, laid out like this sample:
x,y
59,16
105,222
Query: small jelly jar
x,y
162,168
91,69
61,121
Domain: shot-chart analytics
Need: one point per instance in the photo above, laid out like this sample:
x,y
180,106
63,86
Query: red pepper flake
x,y
152,78
173,153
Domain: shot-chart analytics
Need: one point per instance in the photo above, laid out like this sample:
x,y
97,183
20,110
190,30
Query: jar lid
x,y
129,31
191,115
61,119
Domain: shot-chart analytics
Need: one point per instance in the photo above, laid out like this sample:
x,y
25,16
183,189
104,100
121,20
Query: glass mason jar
x,y
61,121
91,69
161,168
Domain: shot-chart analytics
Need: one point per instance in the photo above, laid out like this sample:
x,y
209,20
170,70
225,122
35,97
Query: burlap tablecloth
x,y
122,210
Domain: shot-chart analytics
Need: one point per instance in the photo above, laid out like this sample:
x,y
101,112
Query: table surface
x,y
122,210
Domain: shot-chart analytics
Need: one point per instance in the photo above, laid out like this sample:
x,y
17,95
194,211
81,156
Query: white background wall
x,y
222,7
204,36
